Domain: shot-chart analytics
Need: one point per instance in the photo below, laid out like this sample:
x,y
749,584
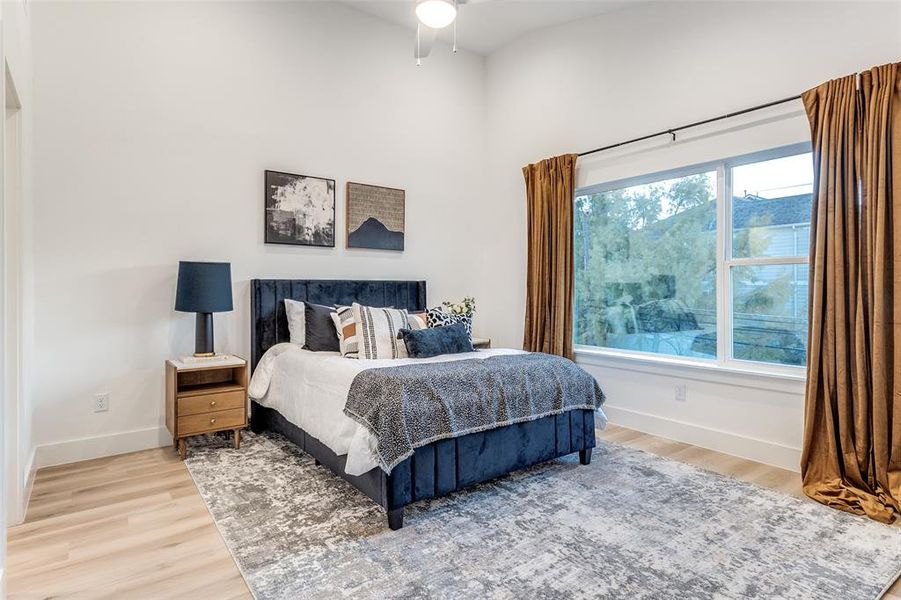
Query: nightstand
x,y
205,397
481,343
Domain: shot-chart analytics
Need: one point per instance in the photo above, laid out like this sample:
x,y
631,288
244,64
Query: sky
x,y
775,178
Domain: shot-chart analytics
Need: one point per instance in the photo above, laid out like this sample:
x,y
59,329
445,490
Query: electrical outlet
x,y
101,402
681,393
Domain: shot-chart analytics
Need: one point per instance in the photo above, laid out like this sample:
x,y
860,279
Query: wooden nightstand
x,y
481,343
205,398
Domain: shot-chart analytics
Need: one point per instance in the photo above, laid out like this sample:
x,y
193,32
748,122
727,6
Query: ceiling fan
x,y
432,15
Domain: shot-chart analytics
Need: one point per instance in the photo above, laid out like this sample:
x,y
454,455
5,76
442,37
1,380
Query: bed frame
x,y
435,469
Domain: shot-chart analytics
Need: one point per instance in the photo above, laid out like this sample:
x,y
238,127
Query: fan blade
x,y
426,39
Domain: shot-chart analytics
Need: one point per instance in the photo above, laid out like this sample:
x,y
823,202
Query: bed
x,y
433,469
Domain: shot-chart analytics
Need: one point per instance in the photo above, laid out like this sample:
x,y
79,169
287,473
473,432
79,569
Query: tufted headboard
x,y
269,324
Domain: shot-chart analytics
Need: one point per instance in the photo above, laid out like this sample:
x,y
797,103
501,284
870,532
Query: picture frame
x,y
298,210
375,217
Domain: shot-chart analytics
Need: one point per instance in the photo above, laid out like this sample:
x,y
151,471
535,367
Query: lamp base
x,y
204,354
203,335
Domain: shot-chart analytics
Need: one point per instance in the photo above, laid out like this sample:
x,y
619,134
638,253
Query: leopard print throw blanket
x,y
409,406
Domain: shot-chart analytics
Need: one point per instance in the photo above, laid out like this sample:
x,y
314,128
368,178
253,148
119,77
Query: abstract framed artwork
x,y
299,210
375,217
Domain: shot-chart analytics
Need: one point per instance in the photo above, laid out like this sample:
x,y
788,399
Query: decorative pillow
x,y
433,341
417,320
343,317
377,331
296,321
438,318
320,335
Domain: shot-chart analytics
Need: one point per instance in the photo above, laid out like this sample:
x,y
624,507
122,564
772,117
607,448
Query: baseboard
x,y
30,471
770,453
16,510
60,453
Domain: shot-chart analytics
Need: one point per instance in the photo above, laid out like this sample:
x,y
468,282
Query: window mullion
x,y
723,250
767,260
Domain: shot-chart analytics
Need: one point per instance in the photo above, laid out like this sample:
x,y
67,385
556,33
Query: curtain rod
x,y
673,131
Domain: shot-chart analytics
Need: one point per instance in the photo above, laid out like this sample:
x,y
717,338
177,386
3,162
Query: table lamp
x,y
203,288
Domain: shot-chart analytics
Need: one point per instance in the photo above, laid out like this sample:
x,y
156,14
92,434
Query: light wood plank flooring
x,y
134,526
129,526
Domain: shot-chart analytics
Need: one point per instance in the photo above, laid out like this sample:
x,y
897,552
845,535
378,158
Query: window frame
x,y
725,261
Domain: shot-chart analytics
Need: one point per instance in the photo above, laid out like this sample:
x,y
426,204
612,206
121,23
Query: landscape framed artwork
x,y
375,217
299,210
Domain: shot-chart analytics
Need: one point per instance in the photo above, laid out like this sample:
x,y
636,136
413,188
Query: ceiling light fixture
x,y
436,14
432,16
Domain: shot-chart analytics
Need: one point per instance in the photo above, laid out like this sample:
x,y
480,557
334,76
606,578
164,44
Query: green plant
x,y
467,306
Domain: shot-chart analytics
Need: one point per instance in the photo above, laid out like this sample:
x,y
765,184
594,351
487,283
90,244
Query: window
x,y
708,262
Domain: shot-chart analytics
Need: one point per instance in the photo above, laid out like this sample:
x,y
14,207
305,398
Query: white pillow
x,y
297,322
377,331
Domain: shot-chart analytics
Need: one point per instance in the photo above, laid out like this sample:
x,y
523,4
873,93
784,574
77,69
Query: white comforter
x,y
310,390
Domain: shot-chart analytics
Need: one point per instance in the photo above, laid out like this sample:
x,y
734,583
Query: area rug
x,y
630,525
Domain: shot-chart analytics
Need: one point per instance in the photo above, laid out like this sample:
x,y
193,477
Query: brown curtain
x,y
852,432
550,185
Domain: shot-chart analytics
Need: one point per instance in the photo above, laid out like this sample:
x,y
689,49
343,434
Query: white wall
x,y
157,121
644,69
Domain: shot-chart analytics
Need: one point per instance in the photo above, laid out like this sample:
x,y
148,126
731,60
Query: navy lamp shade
x,y
203,288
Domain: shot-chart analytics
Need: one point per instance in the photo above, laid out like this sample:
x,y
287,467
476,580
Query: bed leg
x,y
396,519
256,423
585,456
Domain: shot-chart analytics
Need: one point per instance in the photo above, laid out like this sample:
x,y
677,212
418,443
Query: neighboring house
x,y
775,227
784,222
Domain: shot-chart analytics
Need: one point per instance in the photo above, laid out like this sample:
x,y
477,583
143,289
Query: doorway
x,y
15,415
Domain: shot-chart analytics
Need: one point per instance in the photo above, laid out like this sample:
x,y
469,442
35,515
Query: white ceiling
x,y
483,26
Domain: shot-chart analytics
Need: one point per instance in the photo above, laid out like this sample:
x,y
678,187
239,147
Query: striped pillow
x,y
417,321
377,331
343,318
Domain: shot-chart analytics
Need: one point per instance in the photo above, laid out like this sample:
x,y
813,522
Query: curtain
x,y
852,428
550,185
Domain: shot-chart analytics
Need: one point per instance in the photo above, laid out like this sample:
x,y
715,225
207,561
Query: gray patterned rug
x,y
630,525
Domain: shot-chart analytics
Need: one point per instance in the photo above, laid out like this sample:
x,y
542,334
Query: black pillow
x,y
321,333
423,343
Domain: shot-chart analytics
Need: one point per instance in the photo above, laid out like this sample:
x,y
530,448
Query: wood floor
x,y
134,526
130,526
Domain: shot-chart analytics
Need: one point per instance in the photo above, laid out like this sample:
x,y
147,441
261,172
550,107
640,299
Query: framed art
x,y
375,217
299,210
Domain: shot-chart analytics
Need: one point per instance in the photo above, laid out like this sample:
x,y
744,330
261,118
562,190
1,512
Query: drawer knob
x,y
213,420
212,403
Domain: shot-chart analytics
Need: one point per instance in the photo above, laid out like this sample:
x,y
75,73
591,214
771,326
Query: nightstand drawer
x,y
211,421
207,403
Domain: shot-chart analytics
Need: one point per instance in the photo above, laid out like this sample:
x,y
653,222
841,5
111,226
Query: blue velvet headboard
x,y
269,324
